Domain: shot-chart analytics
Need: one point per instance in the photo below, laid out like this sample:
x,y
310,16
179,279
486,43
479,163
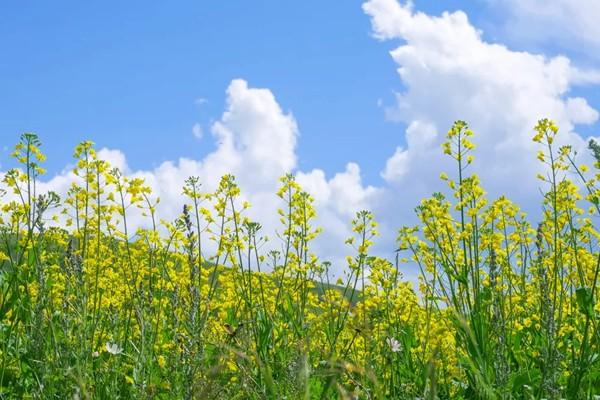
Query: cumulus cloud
x,y
449,72
197,131
255,141
337,201
571,24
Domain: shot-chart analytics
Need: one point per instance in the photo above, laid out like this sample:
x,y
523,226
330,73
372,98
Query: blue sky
x,y
126,75
354,96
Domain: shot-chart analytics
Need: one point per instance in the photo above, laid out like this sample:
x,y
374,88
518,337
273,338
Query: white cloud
x,y
197,131
337,201
256,142
572,24
115,158
397,165
419,138
449,72
344,192
580,112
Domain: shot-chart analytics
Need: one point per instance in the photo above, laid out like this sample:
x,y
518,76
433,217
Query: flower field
x,y
205,307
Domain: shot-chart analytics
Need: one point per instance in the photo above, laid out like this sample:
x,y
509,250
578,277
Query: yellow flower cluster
x,y
206,306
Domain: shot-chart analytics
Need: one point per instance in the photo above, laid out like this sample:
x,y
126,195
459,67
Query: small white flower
x,y
395,345
95,354
113,348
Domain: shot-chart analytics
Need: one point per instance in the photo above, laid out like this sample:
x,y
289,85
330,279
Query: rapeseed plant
x,y
504,308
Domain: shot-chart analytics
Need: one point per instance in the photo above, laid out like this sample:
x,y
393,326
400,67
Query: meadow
x,y
202,307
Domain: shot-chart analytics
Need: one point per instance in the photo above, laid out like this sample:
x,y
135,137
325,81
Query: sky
x,y
354,97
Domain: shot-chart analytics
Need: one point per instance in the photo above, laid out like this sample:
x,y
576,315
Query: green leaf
x,y
585,301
